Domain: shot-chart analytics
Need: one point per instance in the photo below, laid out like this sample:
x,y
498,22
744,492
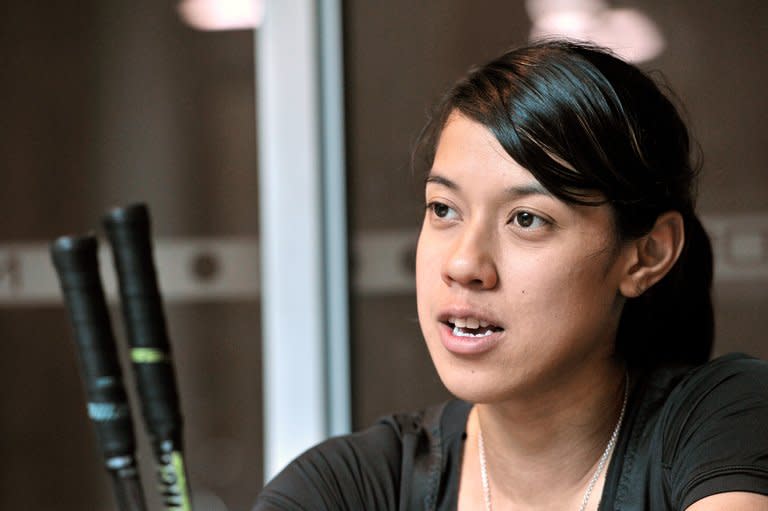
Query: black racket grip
x,y
128,230
76,263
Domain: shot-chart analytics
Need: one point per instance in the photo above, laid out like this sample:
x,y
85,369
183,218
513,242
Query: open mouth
x,y
471,327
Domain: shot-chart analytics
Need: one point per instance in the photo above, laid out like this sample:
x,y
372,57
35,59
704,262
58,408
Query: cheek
x,y
555,287
426,267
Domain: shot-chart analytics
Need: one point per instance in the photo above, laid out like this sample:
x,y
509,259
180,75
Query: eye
x,y
528,220
441,210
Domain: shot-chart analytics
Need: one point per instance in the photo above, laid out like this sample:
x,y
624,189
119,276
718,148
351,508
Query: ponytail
x,y
673,321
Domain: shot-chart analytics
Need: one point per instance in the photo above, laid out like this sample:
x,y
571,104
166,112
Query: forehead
x,y
467,153
470,159
468,147
462,137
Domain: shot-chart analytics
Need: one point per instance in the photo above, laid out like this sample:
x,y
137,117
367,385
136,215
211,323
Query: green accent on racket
x,y
173,482
181,481
148,356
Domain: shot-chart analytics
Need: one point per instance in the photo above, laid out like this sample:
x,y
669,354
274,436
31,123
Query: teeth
x,y
458,332
469,322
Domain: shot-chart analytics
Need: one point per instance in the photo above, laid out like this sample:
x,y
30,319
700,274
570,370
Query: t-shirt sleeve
x,y
716,436
353,472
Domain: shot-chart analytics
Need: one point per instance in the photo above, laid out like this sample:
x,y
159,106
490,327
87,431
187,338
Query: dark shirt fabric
x,y
688,433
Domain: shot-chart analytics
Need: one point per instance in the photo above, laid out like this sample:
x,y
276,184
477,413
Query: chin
x,y
466,380
476,394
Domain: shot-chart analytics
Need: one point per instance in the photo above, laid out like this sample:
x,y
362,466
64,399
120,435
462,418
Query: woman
x,y
563,285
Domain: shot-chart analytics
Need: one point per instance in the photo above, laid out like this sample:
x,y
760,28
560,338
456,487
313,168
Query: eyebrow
x,y
533,188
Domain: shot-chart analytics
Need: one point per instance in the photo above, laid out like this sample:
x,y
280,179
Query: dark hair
x,y
583,121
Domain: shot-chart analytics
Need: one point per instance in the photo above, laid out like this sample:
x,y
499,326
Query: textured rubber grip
x,y
76,263
128,230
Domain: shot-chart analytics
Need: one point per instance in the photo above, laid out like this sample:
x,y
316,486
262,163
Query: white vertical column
x,y
335,208
303,234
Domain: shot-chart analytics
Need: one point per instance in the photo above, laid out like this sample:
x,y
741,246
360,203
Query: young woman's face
x,y
517,290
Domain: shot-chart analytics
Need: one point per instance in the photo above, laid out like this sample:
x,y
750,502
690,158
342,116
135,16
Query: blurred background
x,y
105,102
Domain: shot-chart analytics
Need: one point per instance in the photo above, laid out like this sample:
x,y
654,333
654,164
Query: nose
x,y
470,261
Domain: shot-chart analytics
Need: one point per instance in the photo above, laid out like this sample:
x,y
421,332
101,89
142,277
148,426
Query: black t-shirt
x,y
688,433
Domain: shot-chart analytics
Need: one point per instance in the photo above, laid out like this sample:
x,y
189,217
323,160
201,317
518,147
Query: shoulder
x,y
362,470
356,471
734,372
712,427
731,387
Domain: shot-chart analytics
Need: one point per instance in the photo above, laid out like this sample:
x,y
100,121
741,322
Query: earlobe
x,y
654,254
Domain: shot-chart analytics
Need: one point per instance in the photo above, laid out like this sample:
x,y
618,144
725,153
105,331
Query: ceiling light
x,y
628,32
221,14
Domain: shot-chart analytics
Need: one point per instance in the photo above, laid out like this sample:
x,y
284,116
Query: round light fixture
x,y
628,32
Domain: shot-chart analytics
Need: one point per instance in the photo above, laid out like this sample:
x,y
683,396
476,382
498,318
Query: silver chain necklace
x,y
595,476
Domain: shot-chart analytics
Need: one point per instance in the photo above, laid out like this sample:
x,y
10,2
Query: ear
x,y
653,255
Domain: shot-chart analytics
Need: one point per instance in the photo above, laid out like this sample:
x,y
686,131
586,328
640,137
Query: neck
x,y
543,450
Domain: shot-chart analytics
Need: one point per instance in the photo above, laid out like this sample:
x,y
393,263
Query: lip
x,y
467,312
467,346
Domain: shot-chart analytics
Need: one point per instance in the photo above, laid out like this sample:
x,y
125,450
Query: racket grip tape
x,y
76,262
128,231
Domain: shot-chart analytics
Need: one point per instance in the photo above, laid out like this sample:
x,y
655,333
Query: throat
x,y
564,477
